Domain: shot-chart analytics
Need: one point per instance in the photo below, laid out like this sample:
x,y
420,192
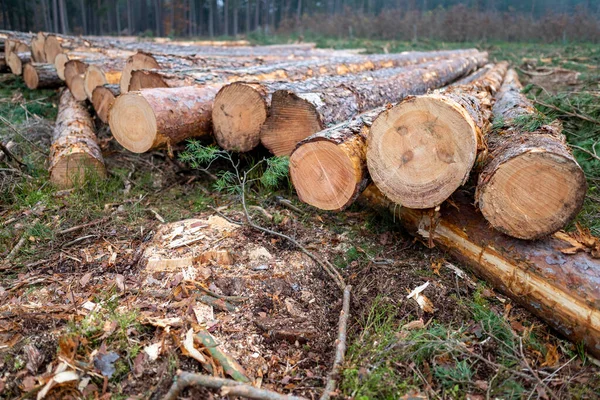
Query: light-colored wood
x,y
96,75
103,98
159,117
74,78
421,150
59,62
74,153
52,48
41,76
37,48
139,60
16,61
530,184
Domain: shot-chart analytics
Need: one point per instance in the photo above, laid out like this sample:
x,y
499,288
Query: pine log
x,y
140,60
109,73
530,185
298,112
285,70
152,118
329,169
41,76
16,61
16,45
103,98
37,48
74,154
56,44
52,48
421,150
561,289
299,109
74,78
59,62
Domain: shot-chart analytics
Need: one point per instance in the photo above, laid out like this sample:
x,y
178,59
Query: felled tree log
x,y
74,78
37,48
59,62
530,185
52,48
102,99
299,109
98,75
74,153
41,76
559,288
424,148
17,44
298,70
16,61
152,118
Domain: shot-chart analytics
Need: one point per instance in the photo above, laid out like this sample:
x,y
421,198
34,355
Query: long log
x,y
74,153
299,109
103,98
298,70
16,44
561,289
152,118
41,76
424,148
16,61
37,48
329,169
530,185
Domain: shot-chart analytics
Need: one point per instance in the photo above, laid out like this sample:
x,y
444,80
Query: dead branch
x,y
219,304
186,379
340,350
78,227
570,114
209,292
230,366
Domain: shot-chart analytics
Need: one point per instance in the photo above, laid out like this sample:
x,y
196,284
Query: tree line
x,y
548,20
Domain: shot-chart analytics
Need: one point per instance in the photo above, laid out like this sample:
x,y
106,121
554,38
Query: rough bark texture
x,y
561,289
74,153
329,168
102,99
151,118
16,61
530,185
41,76
300,109
421,150
17,43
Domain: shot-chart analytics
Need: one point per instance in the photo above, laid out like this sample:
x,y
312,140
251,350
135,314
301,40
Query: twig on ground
x,y
585,151
186,379
549,392
16,249
262,211
340,350
9,155
219,304
288,204
218,296
80,239
230,366
569,113
78,227
12,127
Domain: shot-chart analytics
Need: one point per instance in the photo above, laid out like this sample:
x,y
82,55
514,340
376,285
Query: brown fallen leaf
x,y
416,324
85,279
552,357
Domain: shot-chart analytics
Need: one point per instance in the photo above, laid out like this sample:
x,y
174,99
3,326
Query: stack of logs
x,y
404,132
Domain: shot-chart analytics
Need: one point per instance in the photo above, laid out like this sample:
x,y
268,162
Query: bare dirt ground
x,y
107,282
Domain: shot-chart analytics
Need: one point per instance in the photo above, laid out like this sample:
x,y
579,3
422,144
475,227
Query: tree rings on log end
x,y
324,175
533,194
239,111
14,63
75,168
30,76
102,100
52,48
59,62
133,122
94,77
135,62
292,119
420,151
141,79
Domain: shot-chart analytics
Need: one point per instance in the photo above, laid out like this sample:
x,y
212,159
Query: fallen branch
x,y
186,379
219,304
340,350
230,366
9,155
570,114
78,227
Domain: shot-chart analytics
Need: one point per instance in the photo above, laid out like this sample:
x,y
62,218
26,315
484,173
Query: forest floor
x,y
79,290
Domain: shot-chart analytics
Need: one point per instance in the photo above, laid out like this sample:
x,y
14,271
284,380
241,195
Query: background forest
x,y
449,20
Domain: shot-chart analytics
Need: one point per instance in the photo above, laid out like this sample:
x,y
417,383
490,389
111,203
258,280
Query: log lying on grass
x,y
16,61
102,99
74,153
530,184
561,289
299,109
41,76
151,118
425,147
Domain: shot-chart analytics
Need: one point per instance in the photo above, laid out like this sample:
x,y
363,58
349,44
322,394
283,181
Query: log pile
x,y
403,132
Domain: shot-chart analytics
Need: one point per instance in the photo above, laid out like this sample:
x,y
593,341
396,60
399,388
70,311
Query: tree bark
x,y
55,15
105,73
74,153
152,118
83,16
234,132
530,185
16,61
102,99
559,288
424,148
41,76
64,19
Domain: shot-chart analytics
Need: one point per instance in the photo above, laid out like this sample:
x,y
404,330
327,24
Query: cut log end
x,y
59,62
52,48
75,169
239,111
136,62
133,122
292,120
102,99
540,202
14,63
422,150
94,77
146,79
30,76
77,88
324,175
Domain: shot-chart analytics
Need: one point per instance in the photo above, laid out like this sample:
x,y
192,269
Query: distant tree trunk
x,y
157,17
257,14
226,17
55,15
235,18
118,16
190,19
211,18
200,27
129,19
247,16
172,19
298,12
64,17
83,15
266,16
